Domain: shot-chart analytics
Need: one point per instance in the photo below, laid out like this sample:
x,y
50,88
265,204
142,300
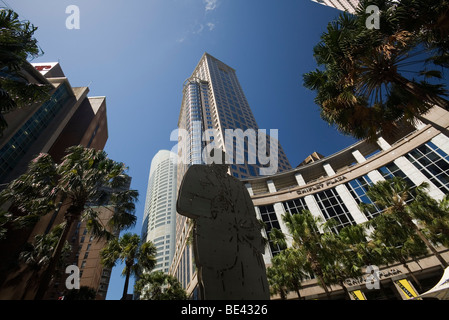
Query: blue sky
x,y
138,53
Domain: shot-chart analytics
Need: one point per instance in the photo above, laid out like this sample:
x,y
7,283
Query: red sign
x,y
41,68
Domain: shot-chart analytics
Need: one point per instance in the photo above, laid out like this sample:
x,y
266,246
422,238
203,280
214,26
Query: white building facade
x,y
334,186
160,208
343,5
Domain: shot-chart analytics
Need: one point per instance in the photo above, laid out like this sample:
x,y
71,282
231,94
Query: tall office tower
x,y
160,208
343,5
69,117
215,114
213,108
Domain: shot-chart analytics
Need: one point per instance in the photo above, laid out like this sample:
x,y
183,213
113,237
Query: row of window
x,y
427,158
13,151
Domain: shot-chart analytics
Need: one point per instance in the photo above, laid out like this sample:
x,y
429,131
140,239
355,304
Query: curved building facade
x,y
334,186
160,208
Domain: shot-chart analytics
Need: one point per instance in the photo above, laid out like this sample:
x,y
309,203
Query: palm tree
x,y
159,286
440,224
37,256
287,272
363,251
393,197
373,79
304,229
434,216
426,19
277,280
84,178
350,252
399,242
16,46
128,249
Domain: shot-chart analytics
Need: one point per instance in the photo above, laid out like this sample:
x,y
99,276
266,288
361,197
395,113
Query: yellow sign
x,y
406,288
358,295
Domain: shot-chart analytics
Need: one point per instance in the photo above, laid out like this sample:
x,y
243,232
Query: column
x,y
412,172
267,255
418,177
279,210
311,203
358,156
383,143
348,200
419,124
249,188
374,175
442,142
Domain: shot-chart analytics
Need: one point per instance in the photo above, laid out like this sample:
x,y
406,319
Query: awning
x,y
441,290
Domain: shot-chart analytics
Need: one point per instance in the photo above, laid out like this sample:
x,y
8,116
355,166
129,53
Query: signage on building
x,y
44,67
322,185
379,275
406,288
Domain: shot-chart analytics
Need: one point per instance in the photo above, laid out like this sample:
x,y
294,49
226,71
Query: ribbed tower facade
x,y
160,208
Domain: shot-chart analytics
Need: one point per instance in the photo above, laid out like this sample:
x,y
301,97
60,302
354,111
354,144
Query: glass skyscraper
x,y
214,108
215,114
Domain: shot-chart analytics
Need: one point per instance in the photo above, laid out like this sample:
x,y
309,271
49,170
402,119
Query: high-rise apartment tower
x,y
160,208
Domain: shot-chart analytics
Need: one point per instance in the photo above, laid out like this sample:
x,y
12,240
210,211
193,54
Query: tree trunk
x,y
432,248
427,242
316,267
128,273
298,293
46,277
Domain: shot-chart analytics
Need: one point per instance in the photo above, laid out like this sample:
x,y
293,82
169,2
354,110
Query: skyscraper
x,y
160,208
69,117
215,114
214,108
343,5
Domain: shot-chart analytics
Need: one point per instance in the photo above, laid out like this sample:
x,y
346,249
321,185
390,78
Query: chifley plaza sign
x,y
372,277
322,185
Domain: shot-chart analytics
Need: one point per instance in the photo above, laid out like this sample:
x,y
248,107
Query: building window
x,y
433,163
358,188
13,151
270,220
295,206
391,170
333,207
